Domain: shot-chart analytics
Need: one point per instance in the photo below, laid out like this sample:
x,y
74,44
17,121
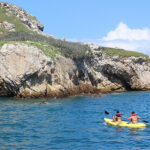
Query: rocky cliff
x,y
25,71
35,65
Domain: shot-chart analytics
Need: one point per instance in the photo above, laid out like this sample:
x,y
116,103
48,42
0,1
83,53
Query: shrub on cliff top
x,y
68,49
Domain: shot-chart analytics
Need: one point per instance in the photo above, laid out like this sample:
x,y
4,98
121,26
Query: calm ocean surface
x,y
75,123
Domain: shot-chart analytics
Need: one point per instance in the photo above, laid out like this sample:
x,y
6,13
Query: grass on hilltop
x,y
123,53
4,16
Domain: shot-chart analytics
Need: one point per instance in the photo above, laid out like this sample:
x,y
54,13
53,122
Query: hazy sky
x,y
114,23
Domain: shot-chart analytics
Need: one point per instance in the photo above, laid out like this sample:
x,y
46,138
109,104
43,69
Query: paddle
x,y
145,121
107,113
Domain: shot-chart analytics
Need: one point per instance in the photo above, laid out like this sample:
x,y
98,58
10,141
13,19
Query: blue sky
x,y
115,23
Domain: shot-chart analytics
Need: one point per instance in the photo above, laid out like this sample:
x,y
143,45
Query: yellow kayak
x,y
124,124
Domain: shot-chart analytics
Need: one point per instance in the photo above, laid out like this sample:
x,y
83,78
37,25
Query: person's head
x,y
133,113
118,113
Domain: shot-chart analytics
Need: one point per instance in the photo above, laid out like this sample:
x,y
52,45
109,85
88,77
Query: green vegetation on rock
x,y
10,18
67,49
48,50
1,44
33,17
49,45
122,53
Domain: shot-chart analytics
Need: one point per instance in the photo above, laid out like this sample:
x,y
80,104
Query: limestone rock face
x,y
8,26
22,67
113,72
25,18
25,71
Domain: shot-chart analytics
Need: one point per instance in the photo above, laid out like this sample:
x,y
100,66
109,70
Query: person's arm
x,y
114,118
138,117
129,118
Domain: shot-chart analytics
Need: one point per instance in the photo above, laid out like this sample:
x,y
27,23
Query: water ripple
x,y
72,123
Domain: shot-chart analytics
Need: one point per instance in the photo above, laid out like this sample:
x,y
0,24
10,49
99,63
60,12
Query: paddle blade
x,y
145,121
106,112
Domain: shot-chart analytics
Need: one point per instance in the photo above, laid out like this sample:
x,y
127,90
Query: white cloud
x,y
127,38
123,32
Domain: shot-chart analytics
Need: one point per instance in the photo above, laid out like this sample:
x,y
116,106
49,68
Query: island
x,y
34,64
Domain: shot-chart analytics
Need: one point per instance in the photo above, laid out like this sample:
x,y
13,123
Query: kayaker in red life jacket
x,y
134,118
118,117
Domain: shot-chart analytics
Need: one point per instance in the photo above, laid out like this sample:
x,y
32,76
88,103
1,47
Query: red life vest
x,y
118,114
133,114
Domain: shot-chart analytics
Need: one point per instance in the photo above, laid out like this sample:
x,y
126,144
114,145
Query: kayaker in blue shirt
x,y
118,117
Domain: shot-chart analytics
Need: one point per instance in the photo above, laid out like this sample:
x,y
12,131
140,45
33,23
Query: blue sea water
x,y
75,123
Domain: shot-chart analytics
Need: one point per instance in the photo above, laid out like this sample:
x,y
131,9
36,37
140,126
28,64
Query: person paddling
x,y
134,118
118,117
